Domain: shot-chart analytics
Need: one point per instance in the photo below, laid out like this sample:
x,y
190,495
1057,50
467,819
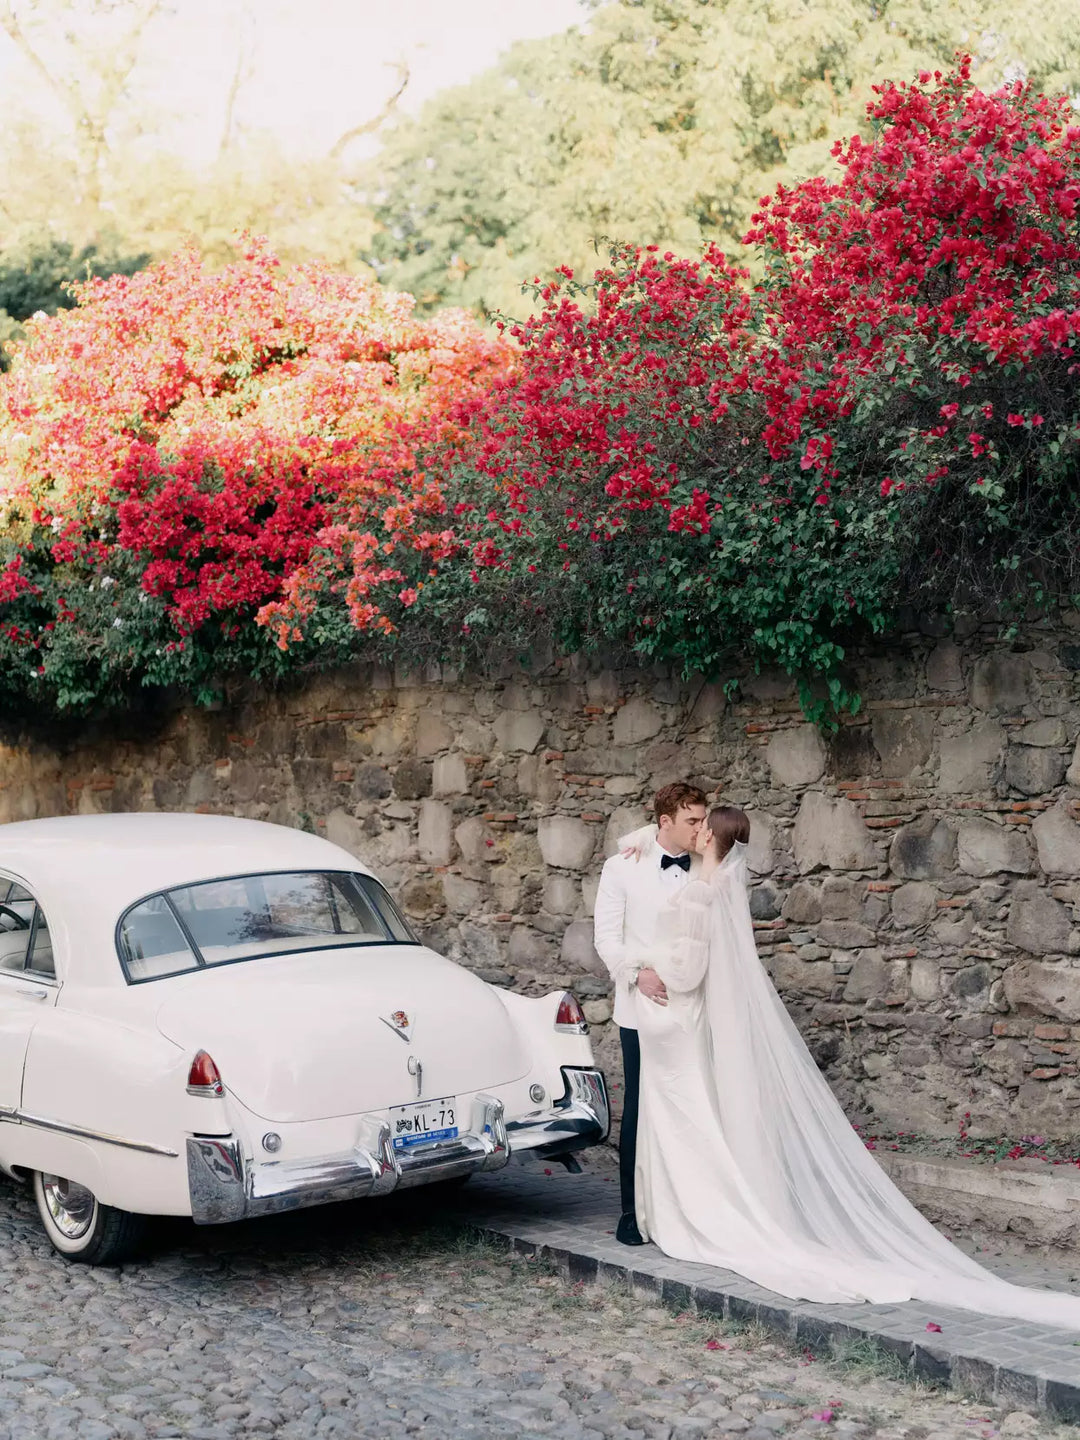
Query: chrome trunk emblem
x,y
399,1023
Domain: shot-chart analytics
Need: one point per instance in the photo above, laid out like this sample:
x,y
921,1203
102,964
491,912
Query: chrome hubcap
x,y
70,1205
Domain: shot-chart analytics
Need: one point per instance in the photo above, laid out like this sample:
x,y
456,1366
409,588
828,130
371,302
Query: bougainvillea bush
x,y
697,468
262,470
172,447
700,468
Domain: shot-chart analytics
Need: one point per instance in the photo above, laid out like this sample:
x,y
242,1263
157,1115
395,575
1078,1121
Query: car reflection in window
x,y
246,917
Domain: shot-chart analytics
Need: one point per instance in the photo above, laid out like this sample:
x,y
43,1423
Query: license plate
x,y
423,1122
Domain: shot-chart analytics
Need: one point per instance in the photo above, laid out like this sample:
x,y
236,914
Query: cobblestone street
x,y
386,1320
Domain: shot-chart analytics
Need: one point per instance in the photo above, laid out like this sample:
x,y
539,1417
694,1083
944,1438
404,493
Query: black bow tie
x,y
683,862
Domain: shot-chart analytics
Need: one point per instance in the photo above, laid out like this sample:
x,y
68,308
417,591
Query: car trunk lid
x,y
317,1035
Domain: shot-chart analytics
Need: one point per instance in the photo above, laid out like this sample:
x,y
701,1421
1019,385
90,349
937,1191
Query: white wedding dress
x,y
745,1160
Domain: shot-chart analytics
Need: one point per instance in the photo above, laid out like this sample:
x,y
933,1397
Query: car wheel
x,y
80,1227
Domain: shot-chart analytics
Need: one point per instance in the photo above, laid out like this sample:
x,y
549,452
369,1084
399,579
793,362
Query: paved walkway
x,y
376,1320
571,1219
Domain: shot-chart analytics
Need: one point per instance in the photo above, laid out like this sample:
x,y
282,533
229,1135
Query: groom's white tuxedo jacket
x,y
632,897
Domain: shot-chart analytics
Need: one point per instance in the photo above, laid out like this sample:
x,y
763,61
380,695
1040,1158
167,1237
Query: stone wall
x,y
916,878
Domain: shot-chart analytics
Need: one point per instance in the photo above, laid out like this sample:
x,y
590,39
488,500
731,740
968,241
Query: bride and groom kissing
x,y
733,1150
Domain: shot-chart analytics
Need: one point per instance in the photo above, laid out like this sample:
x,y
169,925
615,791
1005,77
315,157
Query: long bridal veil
x,y
811,1177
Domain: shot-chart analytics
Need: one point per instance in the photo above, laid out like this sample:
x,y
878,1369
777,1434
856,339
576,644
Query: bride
x,y
745,1159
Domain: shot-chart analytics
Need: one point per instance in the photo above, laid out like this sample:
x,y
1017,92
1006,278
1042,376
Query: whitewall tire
x,y
80,1228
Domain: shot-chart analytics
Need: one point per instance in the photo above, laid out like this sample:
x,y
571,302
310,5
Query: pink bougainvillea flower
x,y
260,441
247,427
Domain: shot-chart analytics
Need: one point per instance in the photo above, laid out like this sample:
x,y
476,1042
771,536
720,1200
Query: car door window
x,y
40,957
19,900
25,941
15,935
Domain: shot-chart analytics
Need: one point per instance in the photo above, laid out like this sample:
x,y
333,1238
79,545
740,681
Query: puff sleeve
x,y
687,922
637,840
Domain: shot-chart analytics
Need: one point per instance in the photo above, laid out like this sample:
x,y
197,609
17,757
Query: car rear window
x,y
246,917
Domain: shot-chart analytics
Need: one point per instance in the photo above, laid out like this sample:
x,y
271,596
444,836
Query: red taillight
x,y
204,1077
570,1016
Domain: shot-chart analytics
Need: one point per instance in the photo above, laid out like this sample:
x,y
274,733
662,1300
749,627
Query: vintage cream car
x,y
222,1018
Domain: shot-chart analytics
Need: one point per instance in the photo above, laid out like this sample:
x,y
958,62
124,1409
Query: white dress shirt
x,y
630,901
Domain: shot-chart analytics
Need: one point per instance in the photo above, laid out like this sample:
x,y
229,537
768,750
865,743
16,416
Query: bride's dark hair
x,y
728,824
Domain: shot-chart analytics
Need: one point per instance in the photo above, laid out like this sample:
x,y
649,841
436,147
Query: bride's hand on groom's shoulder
x,y
634,845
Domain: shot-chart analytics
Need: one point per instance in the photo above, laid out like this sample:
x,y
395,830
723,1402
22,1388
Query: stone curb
x,y
1012,1388
1038,1202
1009,1363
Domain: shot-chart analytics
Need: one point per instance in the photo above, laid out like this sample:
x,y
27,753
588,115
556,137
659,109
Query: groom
x,y
632,894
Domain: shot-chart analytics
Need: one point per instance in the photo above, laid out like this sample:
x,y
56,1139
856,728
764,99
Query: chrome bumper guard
x,y
225,1186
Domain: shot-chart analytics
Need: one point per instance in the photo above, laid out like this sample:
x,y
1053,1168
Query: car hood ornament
x,y
400,1023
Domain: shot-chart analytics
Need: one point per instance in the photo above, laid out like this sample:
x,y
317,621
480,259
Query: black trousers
x,y
631,1058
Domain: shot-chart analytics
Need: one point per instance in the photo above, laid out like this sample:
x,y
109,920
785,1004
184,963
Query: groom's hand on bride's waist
x,y
651,986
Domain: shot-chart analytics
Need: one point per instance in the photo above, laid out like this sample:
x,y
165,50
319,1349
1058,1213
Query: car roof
x,y
87,869
154,845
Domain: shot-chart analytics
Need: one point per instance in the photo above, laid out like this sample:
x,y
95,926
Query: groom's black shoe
x,y
628,1233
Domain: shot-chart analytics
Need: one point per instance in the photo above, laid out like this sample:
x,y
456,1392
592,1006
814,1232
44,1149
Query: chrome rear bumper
x,y
225,1186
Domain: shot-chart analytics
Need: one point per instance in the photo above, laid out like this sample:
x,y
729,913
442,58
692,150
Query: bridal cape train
x,y
745,1158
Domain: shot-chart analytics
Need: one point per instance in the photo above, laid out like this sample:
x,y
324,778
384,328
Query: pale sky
x,y
319,66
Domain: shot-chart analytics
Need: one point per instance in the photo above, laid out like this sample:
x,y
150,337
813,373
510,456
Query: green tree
x,y
36,275
81,158
664,121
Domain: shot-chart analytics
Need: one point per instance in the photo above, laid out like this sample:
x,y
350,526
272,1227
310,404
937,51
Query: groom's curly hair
x,y
672,798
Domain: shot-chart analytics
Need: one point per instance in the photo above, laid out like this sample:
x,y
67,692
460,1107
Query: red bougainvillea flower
x,y
666,457
221,423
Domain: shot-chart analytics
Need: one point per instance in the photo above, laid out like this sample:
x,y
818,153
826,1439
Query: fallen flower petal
x,y
931,1326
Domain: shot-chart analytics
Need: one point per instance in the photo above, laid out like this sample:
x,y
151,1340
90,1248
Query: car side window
x,y
19,900
25,942
14,941
40,958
